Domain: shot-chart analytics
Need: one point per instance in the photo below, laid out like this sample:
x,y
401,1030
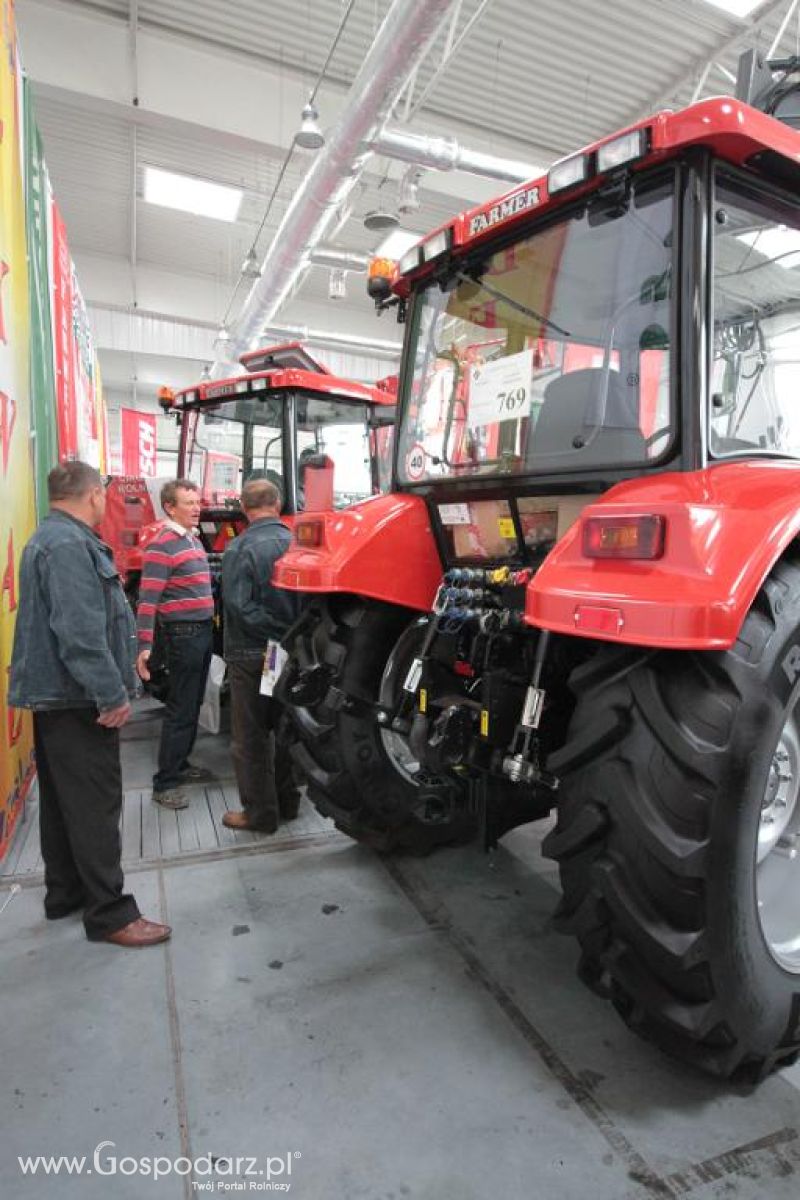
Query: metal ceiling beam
x,y
745,35
158,336
451,49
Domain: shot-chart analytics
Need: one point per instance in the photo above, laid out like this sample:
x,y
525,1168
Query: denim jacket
x,y
75,636
254,609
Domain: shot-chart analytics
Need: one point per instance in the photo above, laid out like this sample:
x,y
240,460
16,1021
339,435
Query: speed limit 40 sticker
x,y
415,462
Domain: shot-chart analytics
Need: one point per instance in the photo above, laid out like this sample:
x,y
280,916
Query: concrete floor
x,y
398,1029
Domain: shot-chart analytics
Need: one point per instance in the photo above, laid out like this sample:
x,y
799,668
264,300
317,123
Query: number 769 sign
x,y
500,390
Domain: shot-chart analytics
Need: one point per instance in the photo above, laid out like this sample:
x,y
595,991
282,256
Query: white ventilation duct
x,y
446,154
402,42
339,260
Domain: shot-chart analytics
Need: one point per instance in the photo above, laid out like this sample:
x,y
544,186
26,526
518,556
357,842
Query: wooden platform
x,y
152,834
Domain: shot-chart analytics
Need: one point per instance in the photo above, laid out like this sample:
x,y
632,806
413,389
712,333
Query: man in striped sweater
x,y
175,590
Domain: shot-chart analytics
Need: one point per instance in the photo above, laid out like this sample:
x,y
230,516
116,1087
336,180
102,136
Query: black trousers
x,y
187,650
80,802
262,763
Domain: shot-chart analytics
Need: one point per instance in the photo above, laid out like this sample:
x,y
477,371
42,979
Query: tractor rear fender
x,y
725,527
382,548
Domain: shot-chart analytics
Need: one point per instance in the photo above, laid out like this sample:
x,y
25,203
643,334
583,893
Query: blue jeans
x,y
187,646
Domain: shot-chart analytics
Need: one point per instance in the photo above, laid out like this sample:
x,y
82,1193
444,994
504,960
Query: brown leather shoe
x,y
140,932
241,820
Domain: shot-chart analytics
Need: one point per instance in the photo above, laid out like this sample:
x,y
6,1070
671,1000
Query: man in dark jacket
x,y
72,663
255,611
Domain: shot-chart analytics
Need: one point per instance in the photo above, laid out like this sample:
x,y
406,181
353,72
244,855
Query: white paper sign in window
x,y
500,390
454,514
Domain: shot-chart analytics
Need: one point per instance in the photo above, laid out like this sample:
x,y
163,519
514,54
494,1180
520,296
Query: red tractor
x,y
582,596
324,441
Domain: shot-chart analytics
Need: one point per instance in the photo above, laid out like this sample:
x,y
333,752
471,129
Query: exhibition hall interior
x,y
400,599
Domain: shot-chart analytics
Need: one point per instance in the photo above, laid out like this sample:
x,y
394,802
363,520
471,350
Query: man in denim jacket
x,y
72,663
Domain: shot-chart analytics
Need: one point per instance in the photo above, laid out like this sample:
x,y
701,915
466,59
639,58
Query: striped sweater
x,y
176,582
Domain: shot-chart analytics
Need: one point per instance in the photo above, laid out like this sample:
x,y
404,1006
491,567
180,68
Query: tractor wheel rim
x,y
400,754
778,852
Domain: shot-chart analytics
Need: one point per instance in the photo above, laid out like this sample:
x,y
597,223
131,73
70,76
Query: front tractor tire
x,y
361,775
678,839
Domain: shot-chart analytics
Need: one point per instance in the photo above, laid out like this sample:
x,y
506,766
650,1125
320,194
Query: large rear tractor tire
x,y
678,839
362,775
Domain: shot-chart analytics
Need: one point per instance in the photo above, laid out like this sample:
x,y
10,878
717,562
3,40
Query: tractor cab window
x,y
755,377
550,355
231,442
333,444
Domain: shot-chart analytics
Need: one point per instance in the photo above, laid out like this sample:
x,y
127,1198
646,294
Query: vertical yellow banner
x,y
16,463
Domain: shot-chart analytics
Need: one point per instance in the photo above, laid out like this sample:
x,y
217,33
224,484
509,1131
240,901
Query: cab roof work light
x,y
410,260
436,245
567,173
622,150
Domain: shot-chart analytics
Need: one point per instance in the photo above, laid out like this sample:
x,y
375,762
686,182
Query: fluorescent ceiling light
x,y
776,242
736,8
191,195
396,244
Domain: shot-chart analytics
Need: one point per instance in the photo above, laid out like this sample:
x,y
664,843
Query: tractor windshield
x,y
756,368
233,441
549,355
248,437
333,435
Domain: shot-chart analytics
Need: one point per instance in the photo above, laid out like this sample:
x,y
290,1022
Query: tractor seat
x,y
574,420
730,445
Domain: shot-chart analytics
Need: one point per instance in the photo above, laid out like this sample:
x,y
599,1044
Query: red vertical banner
x,y
67,415
138,442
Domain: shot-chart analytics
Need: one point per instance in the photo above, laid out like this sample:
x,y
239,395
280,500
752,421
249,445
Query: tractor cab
x,y
633,314
325,442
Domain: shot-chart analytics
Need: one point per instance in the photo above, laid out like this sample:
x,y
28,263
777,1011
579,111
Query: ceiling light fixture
x,y
737,8
378,219
337,285
223,337
186,193
408,193
251,267
309,136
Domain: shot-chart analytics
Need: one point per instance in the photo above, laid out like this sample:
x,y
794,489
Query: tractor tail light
x,y
624,537
309,533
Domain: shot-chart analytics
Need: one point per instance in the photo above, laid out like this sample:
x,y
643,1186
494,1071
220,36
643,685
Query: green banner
x,y
42,372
